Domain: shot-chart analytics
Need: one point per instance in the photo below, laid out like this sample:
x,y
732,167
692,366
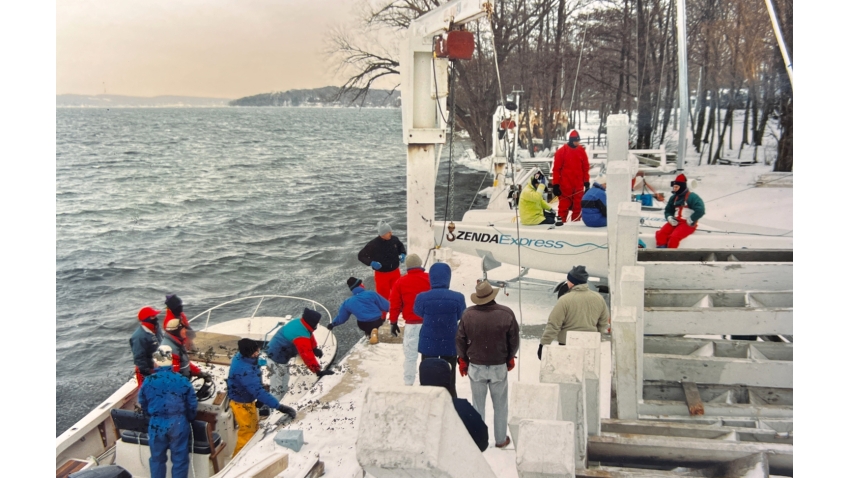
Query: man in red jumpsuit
x,y
571,177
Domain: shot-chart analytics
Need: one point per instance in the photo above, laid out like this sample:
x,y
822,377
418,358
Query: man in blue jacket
x,y
594,204
440,309
170,400
244,386
367,306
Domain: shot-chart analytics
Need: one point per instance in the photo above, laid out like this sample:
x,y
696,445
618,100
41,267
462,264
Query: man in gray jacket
x,y
487,340
581,309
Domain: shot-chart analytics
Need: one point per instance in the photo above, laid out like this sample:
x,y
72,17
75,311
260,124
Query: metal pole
x,y
781,41
684,97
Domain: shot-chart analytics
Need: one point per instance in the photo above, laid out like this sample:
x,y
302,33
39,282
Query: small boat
x,y
115,432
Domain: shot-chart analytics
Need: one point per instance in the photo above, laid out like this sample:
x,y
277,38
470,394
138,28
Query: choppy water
x,y
212,204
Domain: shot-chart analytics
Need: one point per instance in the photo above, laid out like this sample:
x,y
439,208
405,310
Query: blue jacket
x,y
244,383
167,394
364,304
594,207
440,309
144,343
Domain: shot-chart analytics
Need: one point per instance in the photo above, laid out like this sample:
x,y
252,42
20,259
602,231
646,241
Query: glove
x,y
556,190
540,352
402,257
376,265
690,223
586,186
463,366
206,376
394,329
330,326
672,221
287,410
318,352
322,373
511,363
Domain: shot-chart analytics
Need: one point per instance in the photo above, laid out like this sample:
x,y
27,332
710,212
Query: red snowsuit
x,y
570,171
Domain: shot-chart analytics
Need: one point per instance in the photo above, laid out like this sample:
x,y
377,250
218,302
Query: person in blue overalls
x,y
169,399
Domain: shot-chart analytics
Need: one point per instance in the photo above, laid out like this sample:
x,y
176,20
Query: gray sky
x,y
214,48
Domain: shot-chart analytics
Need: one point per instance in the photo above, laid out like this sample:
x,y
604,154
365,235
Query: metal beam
x,y
719,275
722,348
656,408
694,430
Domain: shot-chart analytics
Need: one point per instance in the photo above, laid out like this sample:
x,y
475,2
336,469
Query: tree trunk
x,y
701,101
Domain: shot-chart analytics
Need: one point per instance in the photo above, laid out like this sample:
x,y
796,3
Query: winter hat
x,y
682,181
174,303
384,228
435,372
148,313
173,325
353,282
602,179
578,275
311,317
484,293
574,136
247,347
413,260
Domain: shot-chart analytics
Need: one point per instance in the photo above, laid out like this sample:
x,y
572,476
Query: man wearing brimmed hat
x,y
384,254
294,338
683,210
594,204
582,310
570,177
402,298
487,340
367,306
144,342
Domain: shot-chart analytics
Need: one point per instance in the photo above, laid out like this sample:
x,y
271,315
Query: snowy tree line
x,y
608,56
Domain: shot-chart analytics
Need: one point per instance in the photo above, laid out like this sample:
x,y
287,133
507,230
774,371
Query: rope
x,y
751,187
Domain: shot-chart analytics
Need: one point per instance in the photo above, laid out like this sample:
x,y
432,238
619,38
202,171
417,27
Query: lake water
x,y
212,204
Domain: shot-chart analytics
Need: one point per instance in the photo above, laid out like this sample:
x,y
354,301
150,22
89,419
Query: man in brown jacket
x,y
487,340
581,309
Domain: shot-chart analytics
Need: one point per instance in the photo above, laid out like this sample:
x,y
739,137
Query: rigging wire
x,y
575,82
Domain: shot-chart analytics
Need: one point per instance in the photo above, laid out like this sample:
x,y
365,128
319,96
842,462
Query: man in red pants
x,y
571,177
683,211
384,254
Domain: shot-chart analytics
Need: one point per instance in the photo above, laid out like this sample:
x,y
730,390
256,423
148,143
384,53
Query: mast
x,y
684,96
778,32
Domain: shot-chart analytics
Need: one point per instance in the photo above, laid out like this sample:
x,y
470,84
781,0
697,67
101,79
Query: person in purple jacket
x,y
440,309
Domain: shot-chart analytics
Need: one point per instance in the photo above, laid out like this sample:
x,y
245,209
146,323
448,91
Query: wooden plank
x,y
719,370
655,408
718,321
769,276
620,472
654,450
270,467
70,466
693,430
693,399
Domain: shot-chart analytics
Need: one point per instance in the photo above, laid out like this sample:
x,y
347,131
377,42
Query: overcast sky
x,y
213,48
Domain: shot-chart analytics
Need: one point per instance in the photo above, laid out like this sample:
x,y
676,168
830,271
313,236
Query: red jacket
x,y
571,169
404,293
305,346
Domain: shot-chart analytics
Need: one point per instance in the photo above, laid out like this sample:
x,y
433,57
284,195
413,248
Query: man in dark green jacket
x,y
683,211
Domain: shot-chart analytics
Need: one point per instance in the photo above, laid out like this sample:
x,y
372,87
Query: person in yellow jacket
x,y
533,209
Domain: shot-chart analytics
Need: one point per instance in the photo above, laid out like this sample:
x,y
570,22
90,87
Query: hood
x,y
358,290
440,275
435,372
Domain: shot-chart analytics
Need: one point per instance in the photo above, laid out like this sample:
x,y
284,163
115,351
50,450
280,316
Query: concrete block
x,y
565,366
545,448
292,439
539,401
624,336
590,342
415,431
